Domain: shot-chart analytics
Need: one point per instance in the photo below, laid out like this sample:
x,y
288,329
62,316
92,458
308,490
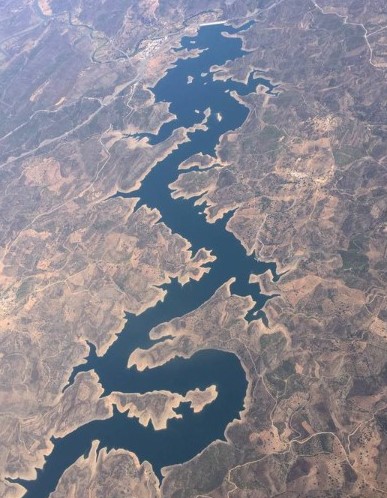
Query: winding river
x,y
185,437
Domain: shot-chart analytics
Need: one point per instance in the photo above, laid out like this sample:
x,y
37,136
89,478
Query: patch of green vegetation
x,y
276,386
270,117
355,261
271,345
102,225
24,289
281,426
241,483
354,40
346,155
294,384
286,369
321,443
358,243
269,340
208,471
263,4
271,133
341,158
278,377
329,22
381,419
265,202
326,441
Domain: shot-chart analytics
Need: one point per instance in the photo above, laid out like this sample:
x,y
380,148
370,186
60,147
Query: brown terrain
x,y
306,175
118,471
158,407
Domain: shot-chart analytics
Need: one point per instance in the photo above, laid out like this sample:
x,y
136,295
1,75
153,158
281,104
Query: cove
x,y
186,437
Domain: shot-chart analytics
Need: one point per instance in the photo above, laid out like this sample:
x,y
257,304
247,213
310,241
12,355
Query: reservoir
x,y
186,437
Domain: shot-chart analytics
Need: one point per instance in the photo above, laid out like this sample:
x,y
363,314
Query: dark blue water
x,y
184,438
